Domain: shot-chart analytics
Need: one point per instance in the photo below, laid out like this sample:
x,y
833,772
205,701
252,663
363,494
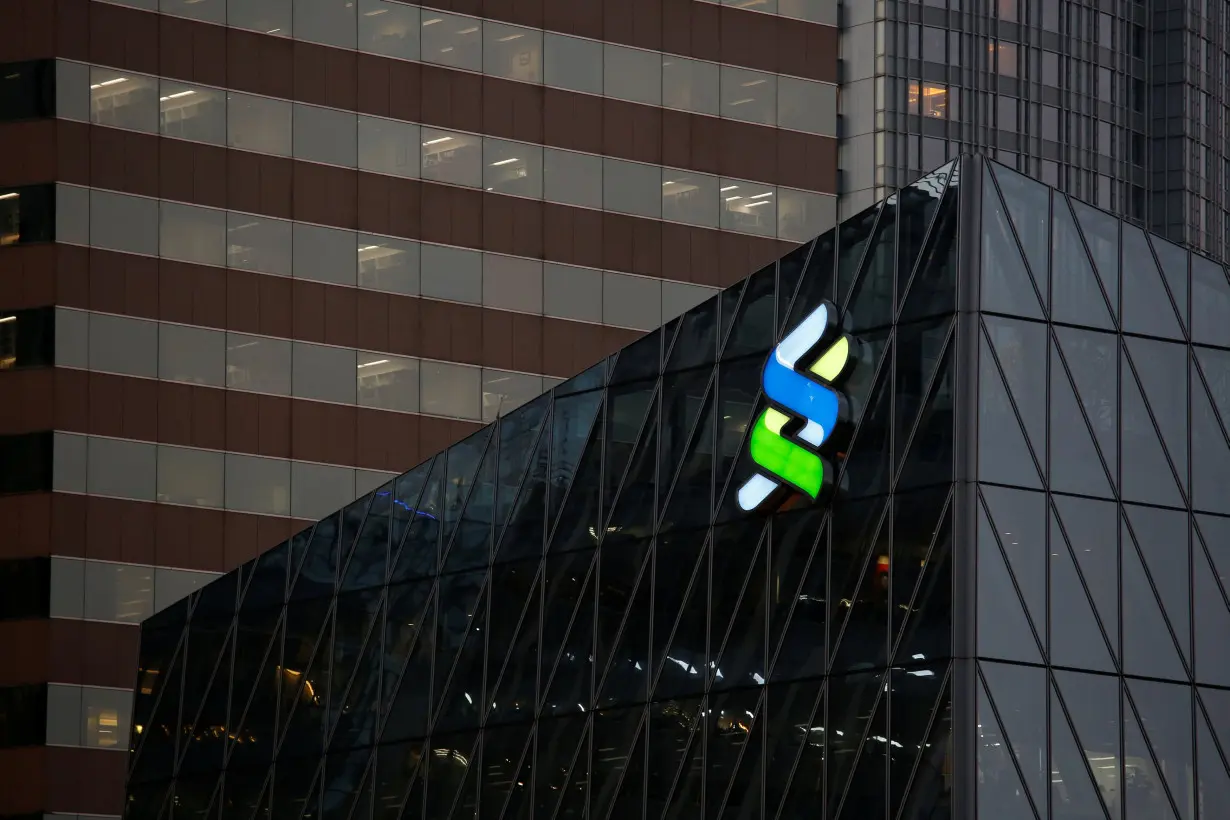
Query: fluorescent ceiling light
x,y
437,140
760,196
104,83
5,319
378,361
10,195
504,162
176,95
727,188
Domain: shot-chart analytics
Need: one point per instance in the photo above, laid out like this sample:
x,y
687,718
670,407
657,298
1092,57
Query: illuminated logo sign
x,y
805,408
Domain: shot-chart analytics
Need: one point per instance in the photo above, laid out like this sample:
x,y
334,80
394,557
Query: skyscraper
x,y
259,256
1123,104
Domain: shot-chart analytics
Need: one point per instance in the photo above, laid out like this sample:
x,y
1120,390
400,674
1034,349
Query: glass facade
x,y
1006,604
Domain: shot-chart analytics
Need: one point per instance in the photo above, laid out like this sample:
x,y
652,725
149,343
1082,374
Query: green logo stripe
x,y
800,467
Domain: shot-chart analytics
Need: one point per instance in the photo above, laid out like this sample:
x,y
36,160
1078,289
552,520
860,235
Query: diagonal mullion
x,y
544,427
1181,481
865,252
491,443
644,576
527,751
883,370
1020,247
821,695
1003,732
798,287
753,726
950,184
649,426
153,711
818,552
1080,408
918,761
702,565
1016,586
395,550
582,749
691,439
376,623
985,336
483,599
1113,306
1080,577
419,637
531,600
228,650
856,758
1184,648
917,590
618,785
868,551
593,438
1157,764
545,689
1056,696
717,653
929,394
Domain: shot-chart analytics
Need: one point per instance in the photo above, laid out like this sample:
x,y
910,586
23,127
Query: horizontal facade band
x,y
63,779
435,212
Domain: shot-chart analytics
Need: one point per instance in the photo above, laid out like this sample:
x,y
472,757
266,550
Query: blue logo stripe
x,y
800,395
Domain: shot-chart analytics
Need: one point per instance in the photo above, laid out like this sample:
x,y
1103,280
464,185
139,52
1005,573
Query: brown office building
x,y
259,256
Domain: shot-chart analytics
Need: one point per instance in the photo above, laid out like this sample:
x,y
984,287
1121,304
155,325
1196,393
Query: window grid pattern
x,y
1101,543
266,125
567,615
530,55
210,236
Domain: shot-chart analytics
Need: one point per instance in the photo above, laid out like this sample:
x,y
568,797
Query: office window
x,y
120,222
571,292
325,135
171,585
389,147
512,283
451,390
120,344
72,338
631,188
452,40
928,99
258,243
196,355
121,468
1002,58
690,197
748,95
632,74
192,112
680,297
331,22
210,11
27,214
258,363
512,168
631,301
66,588
802,215
72,214
124,100
265,16
64,722
455,274
107,715
388,382
319,489
257,485
25,711
504,392
323,254
188,476
804,105
27,460
572,63
512,52
690,85
366,481
323,373
452,157
192,234
72,91
27,338
572,178
749,207
118,592
389,28
814,11
27,91
389,264
259,124
69,459
27,588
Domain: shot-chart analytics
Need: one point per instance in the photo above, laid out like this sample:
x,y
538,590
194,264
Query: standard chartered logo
x,y
800,379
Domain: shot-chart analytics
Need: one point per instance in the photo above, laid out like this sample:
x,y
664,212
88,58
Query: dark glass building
x,y
1007,600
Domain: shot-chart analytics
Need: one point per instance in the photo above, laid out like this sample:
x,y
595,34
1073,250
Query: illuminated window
x,y
928,100
1001,58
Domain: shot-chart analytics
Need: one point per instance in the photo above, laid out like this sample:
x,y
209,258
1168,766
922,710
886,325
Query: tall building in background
x,y
1123,104
259,256
619,602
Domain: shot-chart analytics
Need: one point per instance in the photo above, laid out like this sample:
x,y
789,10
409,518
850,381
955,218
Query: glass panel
x,y
572,63
122,345
192,234
72,219
258,243
803,215
455,274
72,91
192,112
680,297
389,264
319,489
1146,305
571,292
266,16
512,168
1210,302
512,52
323,254
118,592
452,157
806,105
690,85
452,40
512,283
389,146
748,207
504,392
631,74
451,390
123,223
257,485
211,11
323,373
189,476
631,301
325,135
748,95
1028,205
631,187
121,469
123,99
258,363
69,463
388,382
690,197
331,22
389,28
172,585
259,124
572,178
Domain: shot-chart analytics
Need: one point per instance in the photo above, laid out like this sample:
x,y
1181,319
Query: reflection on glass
x,y
388,382
452,157
512,52
123,99
257,363
750,207
258,243
512,168
452,40
258,124
690,197
389,264
389,28
748,95
690,85
192,112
